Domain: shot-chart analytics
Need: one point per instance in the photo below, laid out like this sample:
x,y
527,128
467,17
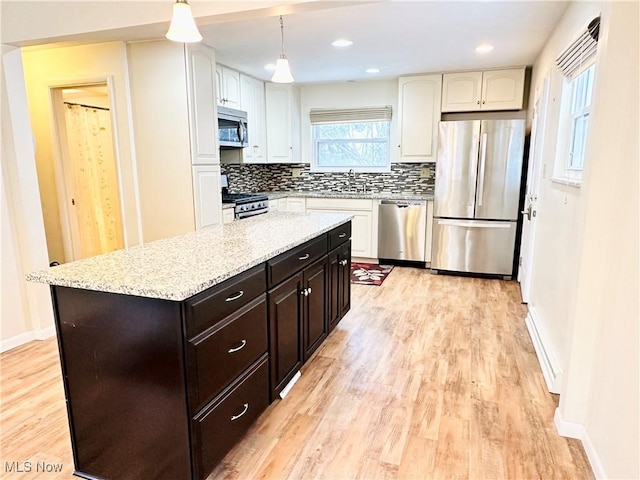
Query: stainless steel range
x,y
247,204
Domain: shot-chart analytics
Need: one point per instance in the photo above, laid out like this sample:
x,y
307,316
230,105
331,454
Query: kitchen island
x,y
171,350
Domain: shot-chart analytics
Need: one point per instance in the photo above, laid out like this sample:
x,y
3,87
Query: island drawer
x,y
339,235
209,307
224,351
283,266
218,428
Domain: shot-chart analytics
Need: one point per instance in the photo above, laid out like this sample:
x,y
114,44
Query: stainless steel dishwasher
x,y
402,230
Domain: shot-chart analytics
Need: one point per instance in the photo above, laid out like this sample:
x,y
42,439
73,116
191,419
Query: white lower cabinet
x,y
207,195
228,215
278,204
296,205
364,226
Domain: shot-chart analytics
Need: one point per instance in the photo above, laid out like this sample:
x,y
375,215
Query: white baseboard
x,y
549,364
577,430
364,260
26,337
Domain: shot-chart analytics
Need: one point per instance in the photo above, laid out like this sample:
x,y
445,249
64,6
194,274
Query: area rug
x,y
369,273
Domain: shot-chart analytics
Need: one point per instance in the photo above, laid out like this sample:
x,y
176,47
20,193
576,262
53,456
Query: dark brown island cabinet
x,y
162,389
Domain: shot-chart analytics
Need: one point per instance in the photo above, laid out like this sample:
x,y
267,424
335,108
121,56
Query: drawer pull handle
x,y
304,257
242,345
342,235
245,408
234,297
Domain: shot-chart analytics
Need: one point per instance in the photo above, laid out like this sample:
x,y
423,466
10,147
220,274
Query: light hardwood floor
x,y
427,377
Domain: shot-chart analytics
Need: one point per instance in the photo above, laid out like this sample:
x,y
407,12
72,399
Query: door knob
x,y
528,212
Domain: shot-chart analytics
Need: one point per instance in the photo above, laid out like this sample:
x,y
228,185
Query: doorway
x,y
533,187
88,190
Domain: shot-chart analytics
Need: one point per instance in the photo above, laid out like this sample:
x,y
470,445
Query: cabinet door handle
x,y
343,263
245,407
303,292
309,289
235,296
242,345
342,235
483,102
304,257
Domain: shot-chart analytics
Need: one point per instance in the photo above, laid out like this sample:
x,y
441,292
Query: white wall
x,y
585,277
25,307
558,229
54,67
161,128
347,95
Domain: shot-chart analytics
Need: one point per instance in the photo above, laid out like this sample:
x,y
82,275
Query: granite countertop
x,y
368,195
178,267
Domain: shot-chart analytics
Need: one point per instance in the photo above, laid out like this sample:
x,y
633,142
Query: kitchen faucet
x,y
351,177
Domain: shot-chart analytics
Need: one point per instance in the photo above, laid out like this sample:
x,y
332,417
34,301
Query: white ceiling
x,y
397,36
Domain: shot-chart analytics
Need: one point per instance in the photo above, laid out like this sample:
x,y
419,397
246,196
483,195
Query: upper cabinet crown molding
x,y
483,91
419,114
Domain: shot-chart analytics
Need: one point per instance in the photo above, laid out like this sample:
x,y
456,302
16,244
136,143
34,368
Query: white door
x,y
533,186
91,195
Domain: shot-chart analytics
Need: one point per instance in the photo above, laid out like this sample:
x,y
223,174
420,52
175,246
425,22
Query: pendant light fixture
x,y
183,27
283,72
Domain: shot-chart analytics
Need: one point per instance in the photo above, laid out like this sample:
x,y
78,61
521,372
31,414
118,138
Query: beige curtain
x,y
95,186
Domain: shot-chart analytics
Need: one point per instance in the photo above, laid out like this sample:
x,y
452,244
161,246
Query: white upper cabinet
x,y
418,117
503,89
283,123
461,92
252,100
489,90
201,84
228,87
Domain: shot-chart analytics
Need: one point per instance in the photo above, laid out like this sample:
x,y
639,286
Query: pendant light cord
x,y
282,35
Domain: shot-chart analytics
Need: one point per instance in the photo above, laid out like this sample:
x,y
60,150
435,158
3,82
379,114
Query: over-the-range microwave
x,y
232,128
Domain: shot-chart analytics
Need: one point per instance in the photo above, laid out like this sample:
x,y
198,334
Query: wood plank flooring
x,y
427,377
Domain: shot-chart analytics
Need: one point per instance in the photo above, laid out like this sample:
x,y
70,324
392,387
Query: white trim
x,y
549,364
27,337
290,385
578,431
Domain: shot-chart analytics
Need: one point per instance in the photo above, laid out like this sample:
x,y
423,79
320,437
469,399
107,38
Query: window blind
x,y
346,115
570,60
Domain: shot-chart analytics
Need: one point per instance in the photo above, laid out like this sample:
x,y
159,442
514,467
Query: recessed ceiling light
x,y
372,70
484,48
270,66
341,43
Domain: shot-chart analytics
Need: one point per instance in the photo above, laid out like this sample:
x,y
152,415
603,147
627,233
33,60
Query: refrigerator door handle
x,y
474,223
483,162
473,171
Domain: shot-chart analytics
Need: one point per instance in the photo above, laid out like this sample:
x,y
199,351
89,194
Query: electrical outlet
x,y
425,171
296,172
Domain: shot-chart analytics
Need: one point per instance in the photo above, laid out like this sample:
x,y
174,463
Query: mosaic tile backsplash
x,y
404,178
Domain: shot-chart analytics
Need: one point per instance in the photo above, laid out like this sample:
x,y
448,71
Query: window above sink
x,y
351,139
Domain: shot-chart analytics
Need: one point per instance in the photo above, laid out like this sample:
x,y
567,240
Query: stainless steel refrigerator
x,y
478,175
